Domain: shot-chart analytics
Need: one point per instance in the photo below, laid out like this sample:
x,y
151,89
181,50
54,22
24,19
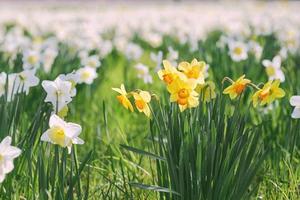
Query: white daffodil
x,y
73,78
91,61
143,73
133,51
238,51
86,75
31,59
256,49
273,69
62,133
3,78
7,155
157,58
58,93
27,79
48,58
295,101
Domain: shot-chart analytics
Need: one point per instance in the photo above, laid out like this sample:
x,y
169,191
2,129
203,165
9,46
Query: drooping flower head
x,y
237,87
123,97
141,100
269,93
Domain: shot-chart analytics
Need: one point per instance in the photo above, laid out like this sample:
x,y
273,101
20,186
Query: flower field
x,y
170,101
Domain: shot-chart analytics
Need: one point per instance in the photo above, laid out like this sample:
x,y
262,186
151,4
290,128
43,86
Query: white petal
x,y
56,121
296,113
295,101
78,140
72,130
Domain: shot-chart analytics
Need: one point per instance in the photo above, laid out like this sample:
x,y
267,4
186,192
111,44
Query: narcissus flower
x,y
123,97
183,92
7,155
141,100
269,93
238,51
62,133
91,61
273,69
31,59
295,101
169,73
237,87
194,70
86,75
143,73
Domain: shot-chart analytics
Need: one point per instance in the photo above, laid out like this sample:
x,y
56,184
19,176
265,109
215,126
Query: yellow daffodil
x,y
123,97
207,91
169,73
269,93
141,100
183,92
237,87
194,70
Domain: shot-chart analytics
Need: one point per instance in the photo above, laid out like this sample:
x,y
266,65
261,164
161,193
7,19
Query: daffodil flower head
x,y
7,154
62,133
122,98
194,70
169,73
237,87
142,100
183,92
295,101
273,69
269,93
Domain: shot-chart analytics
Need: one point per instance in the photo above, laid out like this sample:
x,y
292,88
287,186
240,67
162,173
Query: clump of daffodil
x,y
141,100
269,93
194,70
207,91
183,92
237,87
123,97
169,73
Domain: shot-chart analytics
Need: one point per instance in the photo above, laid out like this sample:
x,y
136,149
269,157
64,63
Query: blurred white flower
x,y
143,73
256,49
86,75
48,58
238,51
31,59
7,155
62,133
273,69
295,101
133,51
59,93
73,78
91,61
157,58
27,79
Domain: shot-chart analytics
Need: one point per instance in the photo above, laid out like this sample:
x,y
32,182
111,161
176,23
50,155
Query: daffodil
x,y
123,99
273,69
269,93
62,133
238,51
31,59
141,100
87,75
91,61
143,73
7,155
169,73
207,91
183,92
295,101
194,70
237,87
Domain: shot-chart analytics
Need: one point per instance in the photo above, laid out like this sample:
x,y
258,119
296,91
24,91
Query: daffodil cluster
x,y
263,96
186,83
141,99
